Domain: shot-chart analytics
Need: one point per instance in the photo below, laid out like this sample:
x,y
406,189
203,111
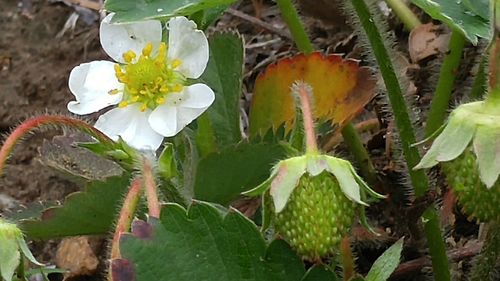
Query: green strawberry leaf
x,y
221,177
30,211
479,7
137,10
458,15
206,17
386,263
203,243
91,211
224,76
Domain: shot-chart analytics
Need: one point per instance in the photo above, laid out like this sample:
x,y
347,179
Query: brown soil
x,y
34,72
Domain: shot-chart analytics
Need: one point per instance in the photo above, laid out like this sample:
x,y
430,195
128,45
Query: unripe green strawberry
x,y
316,217
476,200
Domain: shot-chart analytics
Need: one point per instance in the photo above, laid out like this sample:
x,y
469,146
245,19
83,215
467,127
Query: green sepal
x,y
455,137
365,186
487,149
12,244
341,169
26,252
9,258
166,162
286,179
364,221
263,187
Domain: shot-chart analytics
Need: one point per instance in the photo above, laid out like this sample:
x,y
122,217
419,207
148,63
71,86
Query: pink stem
x,y
44,120
151,192
304,92
126,215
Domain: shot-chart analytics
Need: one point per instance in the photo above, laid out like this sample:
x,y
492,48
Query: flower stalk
x,y
151,189
47,120
292,20
304,92
347,259
126,215
404,13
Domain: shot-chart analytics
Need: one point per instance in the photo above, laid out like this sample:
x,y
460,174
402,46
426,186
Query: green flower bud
x,y
12,244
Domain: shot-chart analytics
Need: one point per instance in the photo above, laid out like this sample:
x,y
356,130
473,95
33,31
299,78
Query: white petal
x,y
90,84
197,96
188,45
186,115
131,125
117,39
164,120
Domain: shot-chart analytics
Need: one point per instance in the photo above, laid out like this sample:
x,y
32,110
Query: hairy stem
x,y
404,13
347,259
46,120
493,96
304,92
441,99
418,178
479,86
395,94
126,215
291,17
151,189
355,145
437,248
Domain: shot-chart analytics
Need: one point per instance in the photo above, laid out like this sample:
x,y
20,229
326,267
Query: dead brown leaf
x,y
426,40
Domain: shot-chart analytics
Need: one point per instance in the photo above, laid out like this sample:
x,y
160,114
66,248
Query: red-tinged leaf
x,y
341,88
122,270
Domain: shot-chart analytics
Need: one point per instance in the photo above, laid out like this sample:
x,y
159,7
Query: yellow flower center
x,y
149,79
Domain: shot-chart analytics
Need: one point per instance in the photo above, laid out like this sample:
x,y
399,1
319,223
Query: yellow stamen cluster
x,y
149,78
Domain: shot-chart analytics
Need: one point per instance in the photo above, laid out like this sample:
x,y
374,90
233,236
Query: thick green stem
x,y
437,248
404,13
291,17
441,99
407,135
353,141
395,95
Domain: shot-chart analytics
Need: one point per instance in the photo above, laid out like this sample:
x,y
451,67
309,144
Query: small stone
x,y
77,255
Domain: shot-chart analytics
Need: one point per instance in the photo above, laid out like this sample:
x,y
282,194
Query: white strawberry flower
x,y
147,81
